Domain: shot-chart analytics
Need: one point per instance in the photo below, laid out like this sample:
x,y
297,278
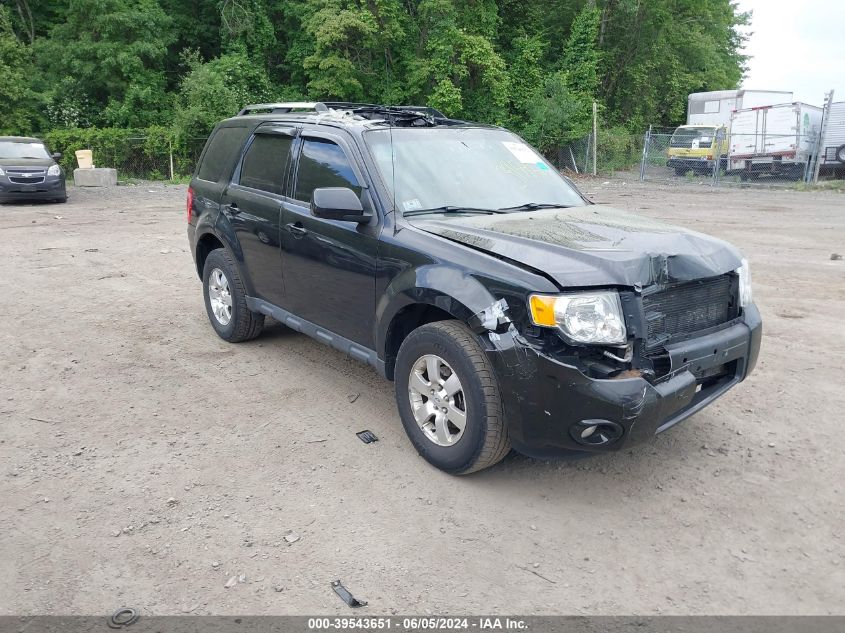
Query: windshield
x,y
22,149
692,138
455,168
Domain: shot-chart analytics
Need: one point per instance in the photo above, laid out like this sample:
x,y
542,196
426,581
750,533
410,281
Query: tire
x,y
484,438
242,324
61,200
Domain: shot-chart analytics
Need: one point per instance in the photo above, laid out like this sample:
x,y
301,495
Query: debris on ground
x,y
347,597
292,538
122,618
367,437
835,257
233,580
353,397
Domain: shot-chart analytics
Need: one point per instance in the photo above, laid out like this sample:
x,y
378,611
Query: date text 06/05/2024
x,y
425,623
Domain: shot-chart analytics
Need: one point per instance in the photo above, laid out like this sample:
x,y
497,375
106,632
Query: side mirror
x,y
57,155
337,203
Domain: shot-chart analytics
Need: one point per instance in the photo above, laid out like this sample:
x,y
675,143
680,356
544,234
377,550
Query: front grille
x,y
18,180
683,309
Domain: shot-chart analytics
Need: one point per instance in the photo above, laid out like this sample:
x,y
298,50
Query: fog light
x,y
597,433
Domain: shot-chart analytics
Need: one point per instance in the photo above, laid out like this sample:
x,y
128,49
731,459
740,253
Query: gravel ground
x,y
146,463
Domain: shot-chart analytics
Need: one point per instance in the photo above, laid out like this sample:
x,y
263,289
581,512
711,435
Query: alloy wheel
x,y
437,400
220,296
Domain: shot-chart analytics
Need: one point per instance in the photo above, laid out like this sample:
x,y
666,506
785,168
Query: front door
x,y
253,204
329,265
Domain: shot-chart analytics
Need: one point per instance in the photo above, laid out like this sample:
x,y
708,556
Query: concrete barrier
x,y
96,177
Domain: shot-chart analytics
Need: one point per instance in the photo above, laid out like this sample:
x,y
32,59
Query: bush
x,y
618,149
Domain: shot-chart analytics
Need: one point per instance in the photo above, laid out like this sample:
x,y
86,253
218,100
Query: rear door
x,y
329,265
745,128
253,205
782,130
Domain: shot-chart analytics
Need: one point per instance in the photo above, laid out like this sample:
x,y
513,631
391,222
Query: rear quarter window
x,y
223,150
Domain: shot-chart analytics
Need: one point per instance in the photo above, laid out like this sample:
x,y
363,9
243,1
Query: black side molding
x,y
343,344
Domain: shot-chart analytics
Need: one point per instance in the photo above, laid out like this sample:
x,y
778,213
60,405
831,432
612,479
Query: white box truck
x,y
695,147
715,108
777,140
833,143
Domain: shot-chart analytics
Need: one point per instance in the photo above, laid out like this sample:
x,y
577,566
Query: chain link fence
x,y
614,152
139,159
718,158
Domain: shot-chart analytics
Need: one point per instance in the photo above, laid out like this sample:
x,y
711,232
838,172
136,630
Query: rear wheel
x,y
449,399
225,299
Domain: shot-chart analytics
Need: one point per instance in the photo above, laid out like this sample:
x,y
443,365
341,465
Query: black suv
x,y
28,171
508,310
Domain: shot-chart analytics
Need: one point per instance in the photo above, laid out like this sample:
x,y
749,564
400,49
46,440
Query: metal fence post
x,y
587,154
595,135
171,160
822,133
646,144
717,156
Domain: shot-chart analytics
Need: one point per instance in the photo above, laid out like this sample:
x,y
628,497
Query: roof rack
x,y
407,114
284,108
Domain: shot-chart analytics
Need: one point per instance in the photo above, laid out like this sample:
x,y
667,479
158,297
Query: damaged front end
x,y
687,344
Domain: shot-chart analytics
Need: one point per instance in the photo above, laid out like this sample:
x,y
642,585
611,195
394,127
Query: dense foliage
x,y
533,65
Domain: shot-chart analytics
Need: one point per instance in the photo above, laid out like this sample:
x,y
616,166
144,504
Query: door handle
x,y
297,229
232,208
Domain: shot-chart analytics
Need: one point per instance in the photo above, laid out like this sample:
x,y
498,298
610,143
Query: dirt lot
x,y
144,462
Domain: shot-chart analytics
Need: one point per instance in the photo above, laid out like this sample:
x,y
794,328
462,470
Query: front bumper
x,y
690,163
547,401
52,188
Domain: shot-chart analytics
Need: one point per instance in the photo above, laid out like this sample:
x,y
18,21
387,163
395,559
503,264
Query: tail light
x,y
189,204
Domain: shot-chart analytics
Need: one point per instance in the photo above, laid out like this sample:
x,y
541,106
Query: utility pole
x,y
595,137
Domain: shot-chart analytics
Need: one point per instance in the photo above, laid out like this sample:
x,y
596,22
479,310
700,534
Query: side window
x,y
323,164
264,163
221,153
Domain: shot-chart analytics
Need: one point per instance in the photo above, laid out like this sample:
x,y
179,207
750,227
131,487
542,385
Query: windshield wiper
x,y
530,206
451,209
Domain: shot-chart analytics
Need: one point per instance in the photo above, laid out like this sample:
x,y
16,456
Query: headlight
x,y
744,273
54,170
584,317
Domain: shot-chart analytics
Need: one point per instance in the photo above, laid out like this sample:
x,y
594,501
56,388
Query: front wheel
x,y
225,299
449,399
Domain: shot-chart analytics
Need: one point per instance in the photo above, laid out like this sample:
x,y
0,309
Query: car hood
x,y
593,245
26,162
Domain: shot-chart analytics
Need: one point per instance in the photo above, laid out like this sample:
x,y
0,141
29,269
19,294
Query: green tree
x,y
535,65
111,53
217,89
17,100
458,69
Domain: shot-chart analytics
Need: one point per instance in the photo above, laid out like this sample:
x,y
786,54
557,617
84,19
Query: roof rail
x,y
284,108
321,107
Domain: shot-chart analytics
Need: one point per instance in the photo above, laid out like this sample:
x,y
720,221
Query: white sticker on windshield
x,y
523,153
411,205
